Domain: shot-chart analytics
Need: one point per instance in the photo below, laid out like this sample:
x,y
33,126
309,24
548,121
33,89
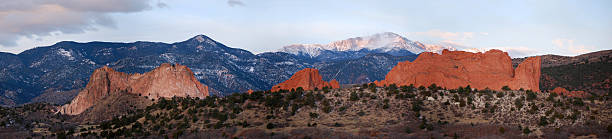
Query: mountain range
x,y
51,72
351,48
58,72
442,93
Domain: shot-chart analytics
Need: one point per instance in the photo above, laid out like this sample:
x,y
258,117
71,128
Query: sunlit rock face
x,y
164,81
452,69
308,78
563,91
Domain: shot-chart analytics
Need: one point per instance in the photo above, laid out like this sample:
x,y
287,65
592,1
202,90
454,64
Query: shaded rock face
x,y
563,91
164,81
308,78
452,69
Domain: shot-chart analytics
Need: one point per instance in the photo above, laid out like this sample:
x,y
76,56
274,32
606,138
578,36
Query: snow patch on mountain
x,y
381,42
199,38
88,61
168,57
438,47
65,53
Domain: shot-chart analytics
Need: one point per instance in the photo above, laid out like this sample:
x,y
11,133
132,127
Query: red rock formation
x,y
164,81
334,83
563,91
452,69
308,79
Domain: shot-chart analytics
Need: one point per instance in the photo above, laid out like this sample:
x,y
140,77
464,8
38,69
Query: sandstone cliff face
x,y
308,79
165,81
452,69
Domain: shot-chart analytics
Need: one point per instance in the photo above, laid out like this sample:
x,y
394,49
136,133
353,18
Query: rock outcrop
x,y
308,79
452,69
563,91
164,81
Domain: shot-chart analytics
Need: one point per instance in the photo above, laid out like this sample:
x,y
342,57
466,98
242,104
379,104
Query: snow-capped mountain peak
x,y
381,42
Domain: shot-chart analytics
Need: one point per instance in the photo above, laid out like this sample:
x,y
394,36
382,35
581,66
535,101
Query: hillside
x,y
360,111
366,69
587,72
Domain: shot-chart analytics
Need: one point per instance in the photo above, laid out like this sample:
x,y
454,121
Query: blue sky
x,y
522,27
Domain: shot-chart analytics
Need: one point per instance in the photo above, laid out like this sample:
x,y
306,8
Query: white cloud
x,y
443,38
37,18
568,46
233,3
518,51
461,41
448,35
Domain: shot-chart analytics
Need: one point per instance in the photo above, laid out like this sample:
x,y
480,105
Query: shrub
x,y
372,87
421,87
407,130
500,94
469,100
392,87
408,89
534,109
502,130
354,96
314,115
574,116
424,125
578,102
416,105
218,125
326,89
361,113
506,88
426,93
338,124
551,97
543,121
373,97
270,126
327,109
526,131
433,87
343,108
456,97
610,128
461,103
531,95
299,90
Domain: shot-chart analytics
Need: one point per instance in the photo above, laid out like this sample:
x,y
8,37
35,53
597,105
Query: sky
x,y
523,28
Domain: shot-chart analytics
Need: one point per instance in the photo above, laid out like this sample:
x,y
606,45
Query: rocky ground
x,y
363,111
